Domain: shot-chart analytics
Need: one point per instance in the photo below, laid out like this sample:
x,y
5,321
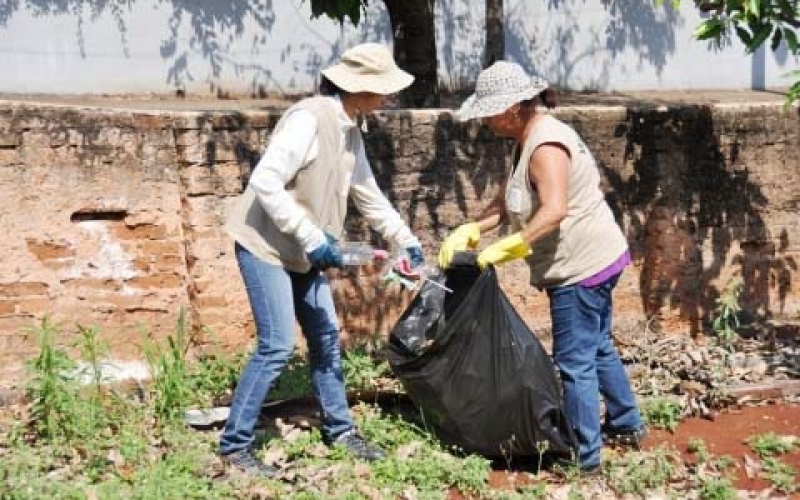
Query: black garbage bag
x,y
481,379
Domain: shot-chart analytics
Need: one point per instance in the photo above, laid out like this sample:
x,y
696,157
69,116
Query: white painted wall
x,y
243,46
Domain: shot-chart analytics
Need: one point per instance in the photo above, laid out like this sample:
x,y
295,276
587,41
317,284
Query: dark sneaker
x,y
247,462
595,470
631,438
358,446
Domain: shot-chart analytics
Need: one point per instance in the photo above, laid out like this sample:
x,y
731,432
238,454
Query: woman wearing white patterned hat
x,y
285,227
574,248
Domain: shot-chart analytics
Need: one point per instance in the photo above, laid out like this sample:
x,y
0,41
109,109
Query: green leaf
x,y
793,95
744,35
786,8
733,5
754,7
709,29
791,40
763,32
776,40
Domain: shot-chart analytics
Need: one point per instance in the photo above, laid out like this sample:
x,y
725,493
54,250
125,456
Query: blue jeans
x,y
277,296
589,365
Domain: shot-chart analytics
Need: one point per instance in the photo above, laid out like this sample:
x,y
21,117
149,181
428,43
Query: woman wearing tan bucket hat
x,y
574,248
285,227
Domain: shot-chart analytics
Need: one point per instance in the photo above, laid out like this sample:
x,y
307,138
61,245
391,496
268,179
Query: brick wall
x,y
113,217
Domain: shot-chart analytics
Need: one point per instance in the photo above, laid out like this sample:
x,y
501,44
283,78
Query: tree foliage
x,y
755,23
414,41
338,10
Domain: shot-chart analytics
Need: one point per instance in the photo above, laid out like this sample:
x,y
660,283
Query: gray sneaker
x,y
247,462
354,443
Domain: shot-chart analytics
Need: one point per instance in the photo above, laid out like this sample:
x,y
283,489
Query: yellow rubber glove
x,y
510,248
465,236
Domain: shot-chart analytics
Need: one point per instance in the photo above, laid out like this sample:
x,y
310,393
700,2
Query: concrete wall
x,y
256,46
113,217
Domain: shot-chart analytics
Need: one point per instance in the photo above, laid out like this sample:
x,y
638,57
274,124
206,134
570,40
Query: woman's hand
x,y
464,237
510,248
326,255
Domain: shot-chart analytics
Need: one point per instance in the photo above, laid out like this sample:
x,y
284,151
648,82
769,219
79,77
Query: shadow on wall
x,y
564,45
556,49
690,203
214,26
461,27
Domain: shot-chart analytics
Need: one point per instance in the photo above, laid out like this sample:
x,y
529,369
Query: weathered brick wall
x,y
113,218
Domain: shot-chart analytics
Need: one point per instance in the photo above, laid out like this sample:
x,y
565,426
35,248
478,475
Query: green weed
x,y
715,488
170,388
638,472
770,444
781,475
54,402
698,448
213,378
723,462
661,412
726,317
294,381
362,369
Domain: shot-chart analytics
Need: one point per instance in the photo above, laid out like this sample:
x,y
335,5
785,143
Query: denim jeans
x,y
585,355
277,297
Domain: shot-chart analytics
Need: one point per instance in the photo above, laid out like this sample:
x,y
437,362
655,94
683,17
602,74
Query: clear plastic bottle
x,y
356,253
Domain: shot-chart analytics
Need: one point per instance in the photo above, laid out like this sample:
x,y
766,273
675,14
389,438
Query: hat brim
x,y
492,105
386,83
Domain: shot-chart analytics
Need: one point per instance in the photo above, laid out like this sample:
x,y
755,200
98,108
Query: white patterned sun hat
x,y
499,87
368,67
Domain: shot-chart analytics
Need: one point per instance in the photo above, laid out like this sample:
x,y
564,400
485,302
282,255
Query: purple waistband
x,y
613,269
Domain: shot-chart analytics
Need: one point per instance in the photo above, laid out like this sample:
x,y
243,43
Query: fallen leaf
x,y
751,466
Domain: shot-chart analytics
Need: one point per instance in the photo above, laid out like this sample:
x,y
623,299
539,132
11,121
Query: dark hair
x,y
547,97
327,87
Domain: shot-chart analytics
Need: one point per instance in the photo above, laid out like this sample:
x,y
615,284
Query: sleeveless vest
x,y
588,239
320,189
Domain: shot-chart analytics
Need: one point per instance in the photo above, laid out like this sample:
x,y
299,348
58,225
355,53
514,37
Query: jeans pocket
x,y
597,298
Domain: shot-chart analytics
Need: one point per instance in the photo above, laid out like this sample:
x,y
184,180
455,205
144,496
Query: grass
x,y
88,440
79,438
661,412
638,472
769,446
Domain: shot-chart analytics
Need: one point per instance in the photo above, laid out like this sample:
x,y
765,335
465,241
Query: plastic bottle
x,y
400,271
355,253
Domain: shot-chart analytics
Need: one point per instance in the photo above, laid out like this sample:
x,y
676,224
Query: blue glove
x,y
415,256
326,255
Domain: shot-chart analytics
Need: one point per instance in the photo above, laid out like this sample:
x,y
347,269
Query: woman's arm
x,y
289,150
549,173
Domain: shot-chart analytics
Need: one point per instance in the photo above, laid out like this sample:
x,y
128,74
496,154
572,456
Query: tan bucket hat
x,y
499,87
368,67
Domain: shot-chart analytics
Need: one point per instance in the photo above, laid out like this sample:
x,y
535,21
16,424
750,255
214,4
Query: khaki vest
x,y
588,239
320,188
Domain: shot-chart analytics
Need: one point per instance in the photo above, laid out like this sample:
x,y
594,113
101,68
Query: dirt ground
x,y
725,435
